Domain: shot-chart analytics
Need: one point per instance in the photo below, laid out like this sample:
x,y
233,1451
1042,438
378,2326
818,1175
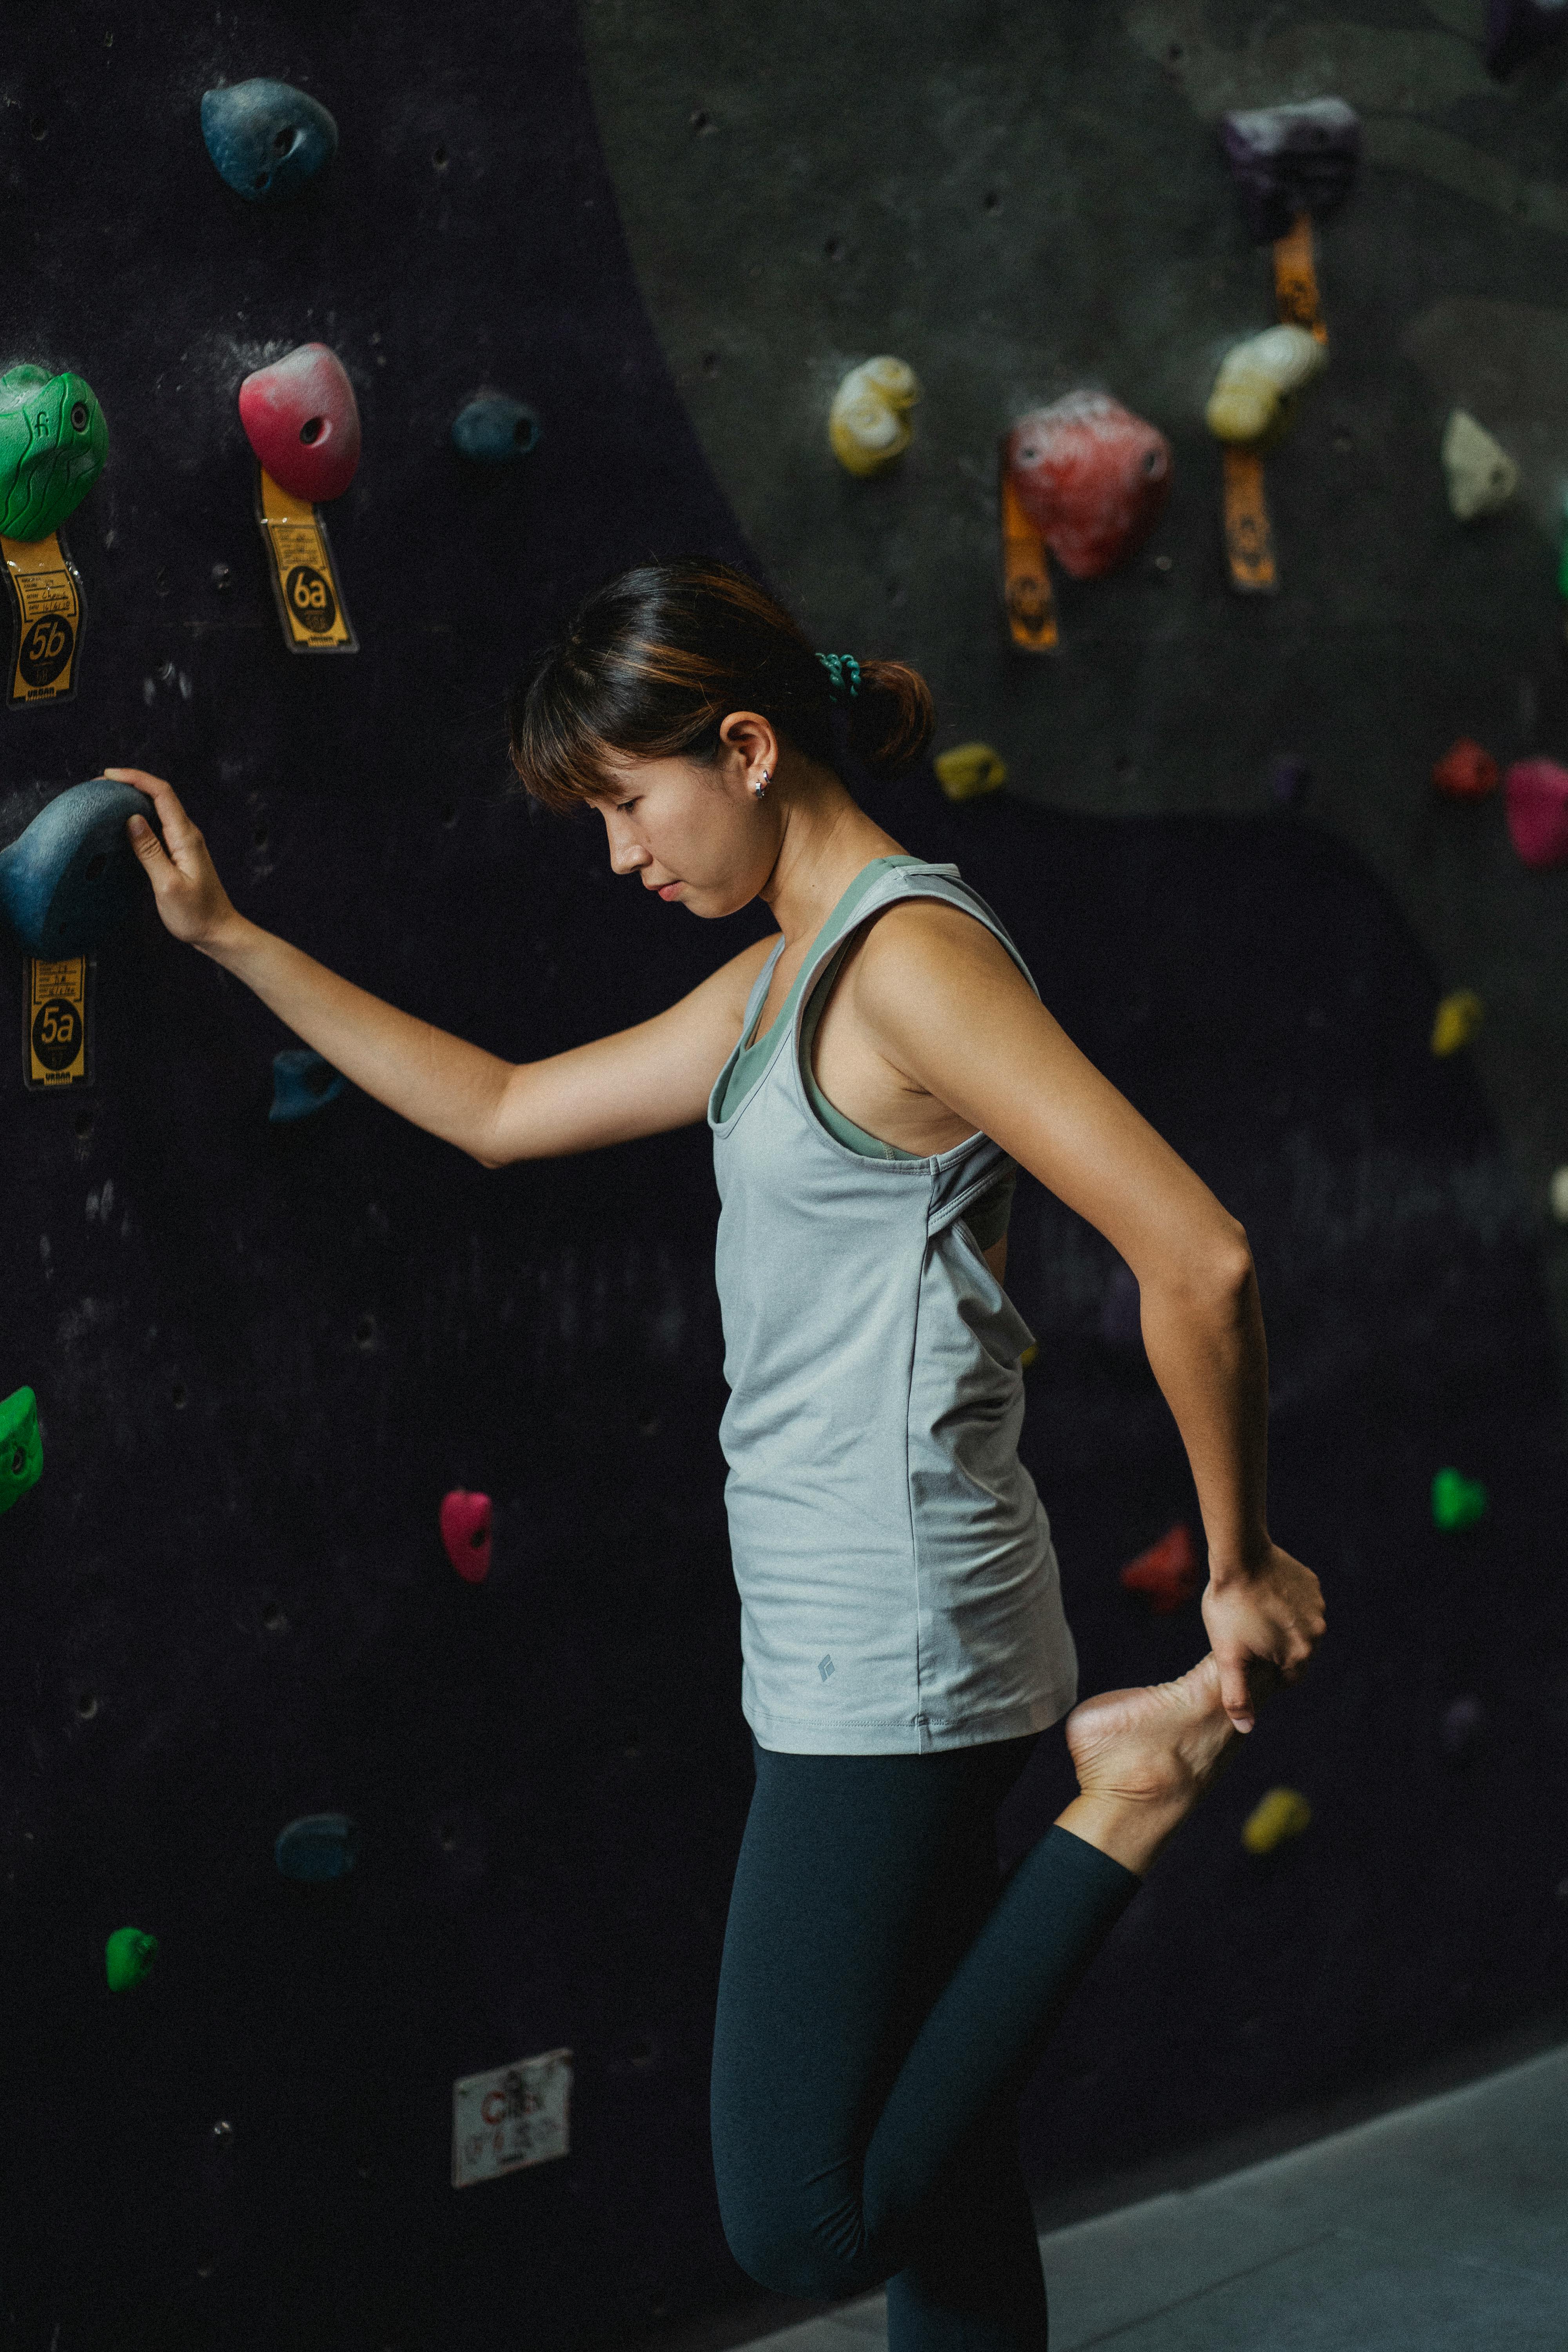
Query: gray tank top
x,y
898,1590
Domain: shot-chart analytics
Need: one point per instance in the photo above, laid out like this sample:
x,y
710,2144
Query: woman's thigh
x,y
862,1882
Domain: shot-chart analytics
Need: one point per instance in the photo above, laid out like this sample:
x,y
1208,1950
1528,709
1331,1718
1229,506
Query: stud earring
x,y
760,788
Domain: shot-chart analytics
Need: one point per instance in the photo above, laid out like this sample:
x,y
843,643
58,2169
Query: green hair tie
x,y
843,676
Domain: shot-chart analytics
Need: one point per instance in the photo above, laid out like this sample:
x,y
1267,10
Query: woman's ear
x,y
753,749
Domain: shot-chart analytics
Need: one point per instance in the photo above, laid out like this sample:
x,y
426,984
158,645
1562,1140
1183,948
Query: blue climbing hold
x,y
317,1847
302,1082
494,429
72,877
268,139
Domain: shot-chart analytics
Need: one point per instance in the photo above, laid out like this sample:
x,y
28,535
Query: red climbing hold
x,y
1167,1574
300,418
1537,794
466,1532
1092,478
1465,771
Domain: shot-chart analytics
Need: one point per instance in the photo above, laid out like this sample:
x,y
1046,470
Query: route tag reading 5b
x,y
300,564
55,1007
46,596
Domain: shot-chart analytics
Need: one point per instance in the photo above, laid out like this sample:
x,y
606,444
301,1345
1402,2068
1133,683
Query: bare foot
x,y
1143,1758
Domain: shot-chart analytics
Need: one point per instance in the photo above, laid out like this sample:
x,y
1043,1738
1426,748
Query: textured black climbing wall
x,y
264,1353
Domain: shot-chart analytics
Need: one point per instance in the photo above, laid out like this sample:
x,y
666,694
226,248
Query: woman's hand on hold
x,y
1271,1616
191,902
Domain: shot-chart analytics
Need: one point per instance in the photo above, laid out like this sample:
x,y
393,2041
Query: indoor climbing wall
x,y
370,1764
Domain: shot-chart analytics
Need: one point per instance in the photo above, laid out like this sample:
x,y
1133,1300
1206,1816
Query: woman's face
x,y
698,836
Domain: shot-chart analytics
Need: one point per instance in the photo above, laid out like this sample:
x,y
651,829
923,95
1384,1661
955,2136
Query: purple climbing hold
x,y
1289,777
1122,1310
1517,30
1288,160
1463,1721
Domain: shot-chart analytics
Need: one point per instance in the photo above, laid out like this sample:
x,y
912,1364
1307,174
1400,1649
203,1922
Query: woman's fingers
x,y
179,833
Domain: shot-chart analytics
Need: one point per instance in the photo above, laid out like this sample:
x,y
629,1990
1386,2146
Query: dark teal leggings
x,y
881,2007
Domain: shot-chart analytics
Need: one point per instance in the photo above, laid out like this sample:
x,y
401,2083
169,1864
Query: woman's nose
x,y
626,855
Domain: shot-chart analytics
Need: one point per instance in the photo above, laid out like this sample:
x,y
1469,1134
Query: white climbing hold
x,y
1255,392
1481,475
1558,1195
869,425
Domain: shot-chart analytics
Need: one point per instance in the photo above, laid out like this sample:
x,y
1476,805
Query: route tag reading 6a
x,y
300,563
46,593
55,1006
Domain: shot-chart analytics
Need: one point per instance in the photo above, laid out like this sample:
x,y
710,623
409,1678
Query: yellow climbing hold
x,y
1282,1814
969,770
1256,391
1457,1019
1031,1355
868,424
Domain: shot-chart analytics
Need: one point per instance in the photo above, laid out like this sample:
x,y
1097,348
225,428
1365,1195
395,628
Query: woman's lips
x,y
670,890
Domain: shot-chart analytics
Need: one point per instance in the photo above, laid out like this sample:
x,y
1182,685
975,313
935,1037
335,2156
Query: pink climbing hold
x,y
1537,793
466,1532
1167,1574
1092,478
1465,772
301,419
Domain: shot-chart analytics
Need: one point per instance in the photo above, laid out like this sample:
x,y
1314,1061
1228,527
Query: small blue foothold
x,y
266,139
317,1847
302,1082
494,429
72,877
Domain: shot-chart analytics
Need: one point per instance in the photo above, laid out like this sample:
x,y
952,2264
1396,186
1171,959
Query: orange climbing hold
x,y
1167,1574
466,1532
1465,772
1092,478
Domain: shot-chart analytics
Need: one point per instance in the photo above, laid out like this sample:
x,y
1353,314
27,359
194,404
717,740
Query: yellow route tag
x,y
46,590
55,1004
1296,292
1025,575
304,582
1248,537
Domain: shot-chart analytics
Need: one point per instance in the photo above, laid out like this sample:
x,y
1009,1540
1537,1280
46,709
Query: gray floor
x,y
1440,2228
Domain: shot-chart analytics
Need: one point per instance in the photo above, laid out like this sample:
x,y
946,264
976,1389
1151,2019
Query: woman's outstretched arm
x,y
951,1013
640,1082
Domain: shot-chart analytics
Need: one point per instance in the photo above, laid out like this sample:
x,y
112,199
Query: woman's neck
x,y
824,842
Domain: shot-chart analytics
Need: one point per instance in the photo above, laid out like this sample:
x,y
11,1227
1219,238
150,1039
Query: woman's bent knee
x,y
823,2256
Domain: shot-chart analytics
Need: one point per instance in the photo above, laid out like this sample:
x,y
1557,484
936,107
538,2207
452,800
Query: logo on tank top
x,y
824,1667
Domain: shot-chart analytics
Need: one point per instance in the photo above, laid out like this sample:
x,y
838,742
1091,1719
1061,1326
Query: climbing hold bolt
x,y
128,1958
1457,1502
1465,772
53,443
268,139
1455,1020
1289,160
21,1447
301,419
1255,395
1537,795
466,1532
301,1083
1283,1813
72,877
1480,474
868,424
493,429
317,1847
1091,478
969,770
1167,1574
1518,29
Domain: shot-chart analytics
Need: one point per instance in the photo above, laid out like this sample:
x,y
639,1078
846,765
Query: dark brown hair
x,y
657,660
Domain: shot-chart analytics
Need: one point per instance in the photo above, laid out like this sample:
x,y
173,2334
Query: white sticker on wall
x,y
512,2116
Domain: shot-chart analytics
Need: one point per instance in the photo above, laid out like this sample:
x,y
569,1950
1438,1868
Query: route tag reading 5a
x,y
55,1007
300,564
47,602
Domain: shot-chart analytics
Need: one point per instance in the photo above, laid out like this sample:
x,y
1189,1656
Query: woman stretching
x,y
872,1073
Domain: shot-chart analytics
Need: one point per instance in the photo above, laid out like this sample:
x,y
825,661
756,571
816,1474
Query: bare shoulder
x,y
926,947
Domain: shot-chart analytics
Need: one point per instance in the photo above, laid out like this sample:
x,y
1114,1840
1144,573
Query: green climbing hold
x,y
129,1958
1457,1501
21,1447
53,443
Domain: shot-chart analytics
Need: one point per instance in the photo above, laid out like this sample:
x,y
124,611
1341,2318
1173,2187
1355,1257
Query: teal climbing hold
x,y
53,443
129,1958
266,138
493,429
73,878
302,1083
317,1847
21,1447
1457,1501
